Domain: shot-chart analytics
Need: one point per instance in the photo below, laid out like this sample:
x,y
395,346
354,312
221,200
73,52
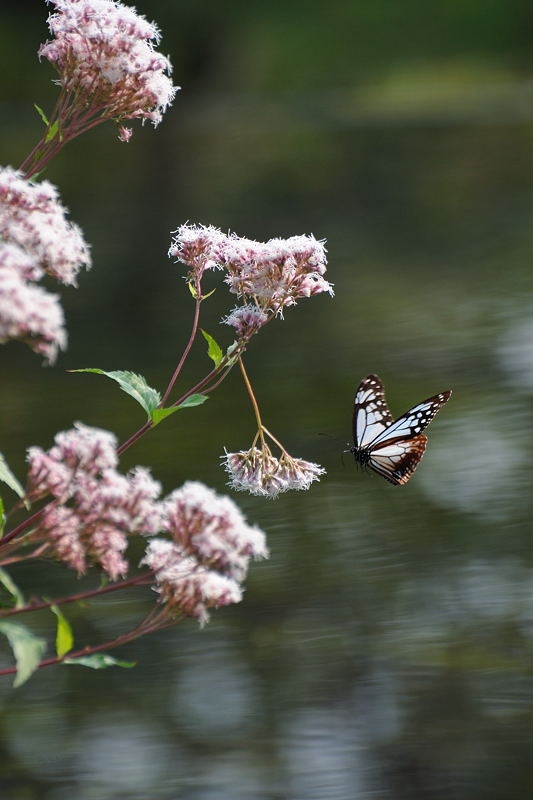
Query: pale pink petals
x,y
30,314
212,529
267,275
258,472
124,134
185,586
104,54
200,247
246,320
104,507
32,217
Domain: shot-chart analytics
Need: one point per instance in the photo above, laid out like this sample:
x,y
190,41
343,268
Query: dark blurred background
x,y
386,649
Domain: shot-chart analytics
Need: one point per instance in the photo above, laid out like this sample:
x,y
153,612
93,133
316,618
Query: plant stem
x,y
188,346
253,400
148,625
145,577
27,523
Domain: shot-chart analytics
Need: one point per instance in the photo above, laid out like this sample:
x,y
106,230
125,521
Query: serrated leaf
x,y
159,414
52,131
213,351
64,635
27,648
7,477
41,114
132,384
99,661
10,586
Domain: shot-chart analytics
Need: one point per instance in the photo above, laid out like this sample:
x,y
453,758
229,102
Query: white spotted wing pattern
x,y
391,448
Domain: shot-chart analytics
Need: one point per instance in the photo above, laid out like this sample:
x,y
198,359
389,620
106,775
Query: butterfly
x,y
391,448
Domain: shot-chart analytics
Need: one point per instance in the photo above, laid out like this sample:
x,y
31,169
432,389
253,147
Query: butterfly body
x,y
392,448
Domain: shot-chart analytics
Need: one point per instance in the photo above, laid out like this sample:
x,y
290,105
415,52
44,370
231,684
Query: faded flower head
x,y
104,54
184,585
258,472
96,508
212,529
32,217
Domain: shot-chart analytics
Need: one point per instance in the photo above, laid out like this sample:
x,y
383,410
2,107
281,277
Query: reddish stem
x,y
161,621
145,577
188,345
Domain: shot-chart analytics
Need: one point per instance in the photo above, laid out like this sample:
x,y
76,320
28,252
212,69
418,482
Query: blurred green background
x,y
386,649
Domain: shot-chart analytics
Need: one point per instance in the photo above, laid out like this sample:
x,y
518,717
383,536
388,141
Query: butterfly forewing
x,y
371,415
413,421
391,448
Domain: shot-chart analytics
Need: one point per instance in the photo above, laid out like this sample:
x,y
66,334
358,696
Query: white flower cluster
x,y
259,472
35,238
210,551
104,54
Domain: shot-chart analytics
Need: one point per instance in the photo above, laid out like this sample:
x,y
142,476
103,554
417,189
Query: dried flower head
x,y
258,472
212,529
104,54
96,508
32,217
185,586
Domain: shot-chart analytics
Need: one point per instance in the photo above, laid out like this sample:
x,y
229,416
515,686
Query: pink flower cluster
x,y
35,238
270,275
96,507
28,313
259,472
208,557
31,216
104,54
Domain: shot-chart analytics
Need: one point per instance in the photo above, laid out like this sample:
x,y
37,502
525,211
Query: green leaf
x,y
7,477
52,131
132,384
205,296
10,586
64,635
213,351
192,289
27,648
159,414
99,661
193,400
41,114
2,518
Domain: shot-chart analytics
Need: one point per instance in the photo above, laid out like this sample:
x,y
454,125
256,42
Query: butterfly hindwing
x,y
397,462
371,415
